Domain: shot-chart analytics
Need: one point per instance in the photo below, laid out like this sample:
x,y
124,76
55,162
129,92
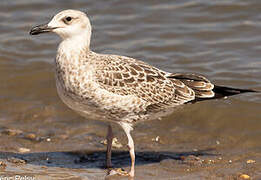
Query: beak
x,y
43,28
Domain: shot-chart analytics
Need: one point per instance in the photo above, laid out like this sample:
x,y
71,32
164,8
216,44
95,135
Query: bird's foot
x,y
117,171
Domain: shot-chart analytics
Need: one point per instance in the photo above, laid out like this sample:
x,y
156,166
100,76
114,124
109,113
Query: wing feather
x,y
200,85
126,76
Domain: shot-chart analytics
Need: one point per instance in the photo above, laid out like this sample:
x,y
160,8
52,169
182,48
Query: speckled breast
x,y
82,106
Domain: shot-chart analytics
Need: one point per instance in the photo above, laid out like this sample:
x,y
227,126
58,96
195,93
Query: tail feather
x,y
204,89
198,83
222,92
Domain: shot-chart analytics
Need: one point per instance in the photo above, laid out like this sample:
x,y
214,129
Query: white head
x,y
68,24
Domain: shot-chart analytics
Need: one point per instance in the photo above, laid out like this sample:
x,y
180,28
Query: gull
x,y
118,89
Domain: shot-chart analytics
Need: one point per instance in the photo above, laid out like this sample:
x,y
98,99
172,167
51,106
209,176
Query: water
x,y
220,39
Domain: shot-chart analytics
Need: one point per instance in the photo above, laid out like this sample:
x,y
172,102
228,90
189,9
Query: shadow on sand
x,y
96,159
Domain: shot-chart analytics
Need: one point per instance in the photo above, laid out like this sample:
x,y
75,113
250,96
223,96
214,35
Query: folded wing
x,y
202,87
127,76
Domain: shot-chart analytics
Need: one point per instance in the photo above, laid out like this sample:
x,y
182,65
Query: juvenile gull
x,y
116,88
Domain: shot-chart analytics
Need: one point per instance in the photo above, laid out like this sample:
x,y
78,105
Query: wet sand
x,y
218,139
155,160
179,152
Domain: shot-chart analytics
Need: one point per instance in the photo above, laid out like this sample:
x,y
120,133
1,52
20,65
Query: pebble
x,y
250,161
191,160
12,132
211,161
182,158
248,22
244,176
208,161
16,160
156,139
23,150
63,136
30,136
115,143
2,165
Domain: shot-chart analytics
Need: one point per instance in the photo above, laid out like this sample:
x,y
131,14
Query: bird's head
x,y
67,24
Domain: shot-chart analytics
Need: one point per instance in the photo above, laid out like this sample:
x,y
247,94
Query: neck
x,y
73,46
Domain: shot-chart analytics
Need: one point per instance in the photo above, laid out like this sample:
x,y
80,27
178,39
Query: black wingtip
x,y
228,91
223,91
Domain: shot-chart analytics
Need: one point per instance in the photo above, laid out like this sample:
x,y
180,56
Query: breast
x,y
83,106
99,104
78,89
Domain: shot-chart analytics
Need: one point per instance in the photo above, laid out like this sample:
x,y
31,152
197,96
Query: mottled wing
x,y
201,85
127,76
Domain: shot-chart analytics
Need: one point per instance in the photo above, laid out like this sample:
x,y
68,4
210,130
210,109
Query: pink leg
x,y
109,145
127,129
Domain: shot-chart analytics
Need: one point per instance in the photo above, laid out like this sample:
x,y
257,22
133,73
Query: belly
x,y
82,106
99,104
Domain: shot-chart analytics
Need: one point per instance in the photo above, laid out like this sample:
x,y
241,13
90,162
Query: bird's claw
x,y
117,171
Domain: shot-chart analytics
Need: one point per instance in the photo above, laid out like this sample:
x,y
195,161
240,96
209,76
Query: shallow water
x,y
220,39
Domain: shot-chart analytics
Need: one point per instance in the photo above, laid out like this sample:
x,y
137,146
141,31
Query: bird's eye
x,y
68,19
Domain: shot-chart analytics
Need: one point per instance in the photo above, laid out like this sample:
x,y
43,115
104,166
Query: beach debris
x,y
2,165
248,23
191,160
117,171
21,134
250,161
16,160
217,142
211,161
30,136
208,161
156,139
230,161
12,132
48,160
244,176
182,158
63,136
23,150
115,143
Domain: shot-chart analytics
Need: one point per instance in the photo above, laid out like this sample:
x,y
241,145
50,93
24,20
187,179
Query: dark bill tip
x,y
43,28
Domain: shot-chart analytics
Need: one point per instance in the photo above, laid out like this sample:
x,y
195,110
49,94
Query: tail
x,y
204,89
222,91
